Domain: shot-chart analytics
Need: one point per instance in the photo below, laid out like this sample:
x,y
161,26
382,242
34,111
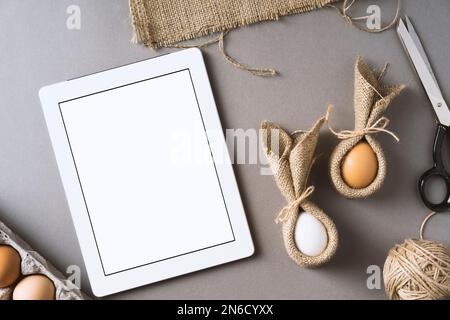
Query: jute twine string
x,y
261,72
348,4
381,76
284,214
379,126
424,222
418,269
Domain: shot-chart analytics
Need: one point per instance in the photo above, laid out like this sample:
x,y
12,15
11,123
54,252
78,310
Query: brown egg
x,y
34,287
360,166
9,266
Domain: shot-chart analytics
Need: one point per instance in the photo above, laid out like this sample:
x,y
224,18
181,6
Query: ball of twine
x,y
418,270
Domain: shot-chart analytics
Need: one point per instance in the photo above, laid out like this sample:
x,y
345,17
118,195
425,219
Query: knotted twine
x,y
291,164
348,4
418,269
371,99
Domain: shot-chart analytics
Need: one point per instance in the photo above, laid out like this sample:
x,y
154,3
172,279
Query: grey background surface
x,y
314,53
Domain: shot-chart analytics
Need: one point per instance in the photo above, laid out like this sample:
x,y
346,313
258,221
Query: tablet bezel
x,y
52,95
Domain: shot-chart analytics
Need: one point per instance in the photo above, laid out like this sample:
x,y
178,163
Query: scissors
x,y
418,57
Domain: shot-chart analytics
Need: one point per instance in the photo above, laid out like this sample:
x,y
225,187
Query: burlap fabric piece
x,y
160,23
291,165
371,99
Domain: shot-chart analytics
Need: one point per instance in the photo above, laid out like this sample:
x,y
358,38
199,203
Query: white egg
x,y
310,235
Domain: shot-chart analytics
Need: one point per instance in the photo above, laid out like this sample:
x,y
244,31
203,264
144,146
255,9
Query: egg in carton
x,y
37,278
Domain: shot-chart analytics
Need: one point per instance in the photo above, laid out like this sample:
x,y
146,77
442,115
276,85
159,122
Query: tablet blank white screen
x,y
145,207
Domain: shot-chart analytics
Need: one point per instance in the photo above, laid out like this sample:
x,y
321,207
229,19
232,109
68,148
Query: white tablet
x,y
145,168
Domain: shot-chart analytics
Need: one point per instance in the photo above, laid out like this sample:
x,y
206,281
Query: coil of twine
x,y
418,269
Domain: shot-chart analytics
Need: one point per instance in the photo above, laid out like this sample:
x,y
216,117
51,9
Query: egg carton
x,y
33,263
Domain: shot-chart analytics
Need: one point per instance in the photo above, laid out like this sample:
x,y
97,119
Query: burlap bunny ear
x,y
277,148
371,99
291,169
302,155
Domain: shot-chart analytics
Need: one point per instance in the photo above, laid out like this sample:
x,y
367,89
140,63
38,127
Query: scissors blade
x,y
419,46
422,65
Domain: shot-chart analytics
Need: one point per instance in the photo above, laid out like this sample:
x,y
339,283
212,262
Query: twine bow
x,y
378,126
285,213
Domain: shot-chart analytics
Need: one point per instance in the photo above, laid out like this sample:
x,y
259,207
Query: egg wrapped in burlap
x,y
417,270
371,99
291,159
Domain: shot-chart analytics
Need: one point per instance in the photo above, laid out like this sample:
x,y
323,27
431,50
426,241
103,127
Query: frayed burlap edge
x,y
291,166
143,32
369,107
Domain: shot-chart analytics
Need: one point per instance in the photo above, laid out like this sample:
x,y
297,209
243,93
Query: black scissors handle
x,y
438,171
